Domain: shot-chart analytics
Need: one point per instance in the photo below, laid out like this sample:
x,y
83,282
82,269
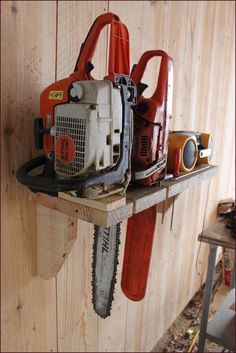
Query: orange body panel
x,y
151,127
138,249
151,118
118,64
47,107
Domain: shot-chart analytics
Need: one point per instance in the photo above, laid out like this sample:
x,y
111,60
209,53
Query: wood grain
x,y
40,43
217,233
89,214
28,33
77,322
189,181
145,197
188,31
56,234
105,204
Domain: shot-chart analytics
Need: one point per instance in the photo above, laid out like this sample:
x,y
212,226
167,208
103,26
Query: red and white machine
x,y
85,131
85,128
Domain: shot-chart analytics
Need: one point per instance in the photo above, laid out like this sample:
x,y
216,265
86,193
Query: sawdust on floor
x,y
179,336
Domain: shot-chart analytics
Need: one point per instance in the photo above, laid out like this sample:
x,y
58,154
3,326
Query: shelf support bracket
x,y
56,234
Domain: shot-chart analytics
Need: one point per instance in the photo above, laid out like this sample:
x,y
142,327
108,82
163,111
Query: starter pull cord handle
x,y
162,81
118,49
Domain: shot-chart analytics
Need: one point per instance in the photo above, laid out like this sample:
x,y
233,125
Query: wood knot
x,y
14,9
19,307
8,130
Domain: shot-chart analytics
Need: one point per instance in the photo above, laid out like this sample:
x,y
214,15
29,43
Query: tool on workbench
x,y
196,148
85,130
227,211
149,159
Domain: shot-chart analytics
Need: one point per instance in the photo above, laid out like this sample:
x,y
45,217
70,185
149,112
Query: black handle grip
x,y
39,131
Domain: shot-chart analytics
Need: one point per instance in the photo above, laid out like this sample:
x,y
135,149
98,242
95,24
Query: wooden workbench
x,y
221,329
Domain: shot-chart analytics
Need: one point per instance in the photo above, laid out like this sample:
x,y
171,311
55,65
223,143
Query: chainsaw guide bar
x,y
104,267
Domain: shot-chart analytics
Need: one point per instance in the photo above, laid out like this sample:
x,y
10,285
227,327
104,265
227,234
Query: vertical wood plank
x,y
28,31
74,21
77,322
56,234
200,38
190,33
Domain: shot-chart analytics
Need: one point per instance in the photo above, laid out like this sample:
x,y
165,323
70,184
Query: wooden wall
x,y
40,43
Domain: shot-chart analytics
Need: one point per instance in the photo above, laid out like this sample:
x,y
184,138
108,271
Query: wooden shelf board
x,y
114,209
57,216
145,197
107,204
189,180
86,213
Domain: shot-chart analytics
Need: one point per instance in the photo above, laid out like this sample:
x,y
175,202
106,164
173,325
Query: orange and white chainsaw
x,y
149,164
85,130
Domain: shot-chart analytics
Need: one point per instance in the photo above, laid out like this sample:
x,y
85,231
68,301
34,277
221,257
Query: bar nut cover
x,y
65,149
189,151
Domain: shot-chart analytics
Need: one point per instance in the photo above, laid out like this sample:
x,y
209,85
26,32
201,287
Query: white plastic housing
x,y
94,124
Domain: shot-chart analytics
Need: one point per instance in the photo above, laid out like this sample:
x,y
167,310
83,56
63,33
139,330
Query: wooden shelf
x,y
114,209
146,197
87,213
57,216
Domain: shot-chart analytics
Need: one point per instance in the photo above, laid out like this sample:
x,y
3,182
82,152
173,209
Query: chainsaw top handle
x,y
118,48
159,94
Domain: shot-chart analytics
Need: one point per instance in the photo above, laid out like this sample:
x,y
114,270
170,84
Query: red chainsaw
x,y
85,130
149,162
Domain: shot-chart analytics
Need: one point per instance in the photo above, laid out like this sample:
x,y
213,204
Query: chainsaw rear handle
x,y
160,92
118,48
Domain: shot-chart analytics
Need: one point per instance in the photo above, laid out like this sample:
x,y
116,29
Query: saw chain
x,y
104,267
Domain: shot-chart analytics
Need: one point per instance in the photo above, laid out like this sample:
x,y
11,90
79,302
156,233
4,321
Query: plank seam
x,y
200,243
56,46
57,338
56,287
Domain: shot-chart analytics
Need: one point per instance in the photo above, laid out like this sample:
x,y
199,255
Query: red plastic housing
x,y
151,118
138,249
118,63
151,124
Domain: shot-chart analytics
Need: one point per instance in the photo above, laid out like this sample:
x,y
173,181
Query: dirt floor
x,y
180,335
